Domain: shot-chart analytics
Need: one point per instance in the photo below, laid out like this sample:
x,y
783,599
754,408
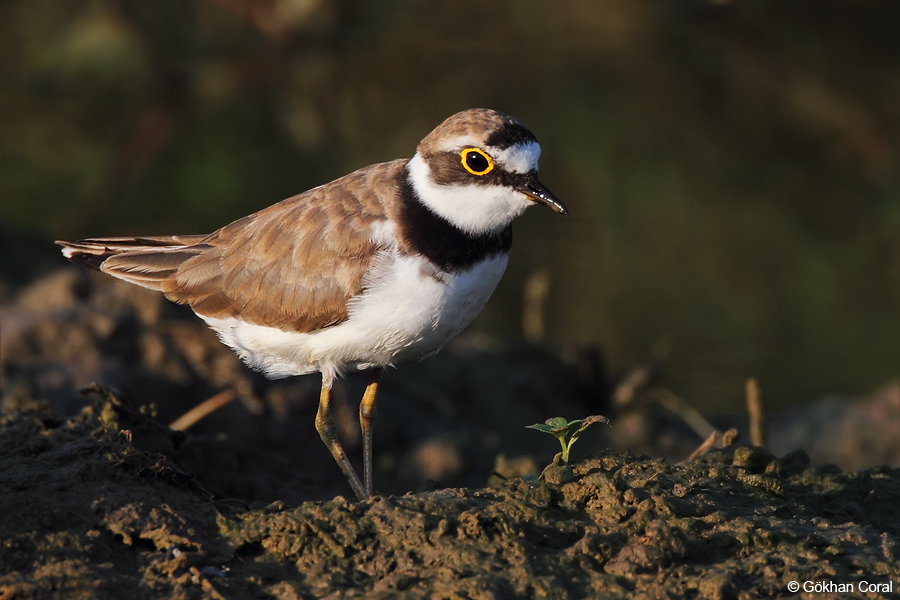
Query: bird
x,y
381,266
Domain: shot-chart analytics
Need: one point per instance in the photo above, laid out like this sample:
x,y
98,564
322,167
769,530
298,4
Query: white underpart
x,y
471,207
407,312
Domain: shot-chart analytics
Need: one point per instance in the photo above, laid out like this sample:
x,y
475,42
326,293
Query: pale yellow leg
x,y
367,416
326,427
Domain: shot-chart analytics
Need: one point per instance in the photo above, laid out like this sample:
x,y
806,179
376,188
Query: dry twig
x,y
188,419
702,449
756,411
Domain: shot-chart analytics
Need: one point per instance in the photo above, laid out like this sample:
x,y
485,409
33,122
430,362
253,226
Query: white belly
x,y
407,312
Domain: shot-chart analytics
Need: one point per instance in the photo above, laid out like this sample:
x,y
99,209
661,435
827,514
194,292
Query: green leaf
x,y
540,427
558,424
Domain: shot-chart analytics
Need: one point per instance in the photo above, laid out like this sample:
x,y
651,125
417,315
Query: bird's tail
x,y
144,261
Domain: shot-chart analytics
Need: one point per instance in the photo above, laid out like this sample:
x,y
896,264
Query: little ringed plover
x,y
381,266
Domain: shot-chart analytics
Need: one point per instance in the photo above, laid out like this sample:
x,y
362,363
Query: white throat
x,y
475,209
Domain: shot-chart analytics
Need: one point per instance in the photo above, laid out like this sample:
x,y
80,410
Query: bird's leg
x,y
326,427
367,416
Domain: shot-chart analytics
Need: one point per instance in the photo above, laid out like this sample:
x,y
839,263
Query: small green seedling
x,y
560,428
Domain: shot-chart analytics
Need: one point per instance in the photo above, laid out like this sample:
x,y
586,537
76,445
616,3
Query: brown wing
x,y
293,265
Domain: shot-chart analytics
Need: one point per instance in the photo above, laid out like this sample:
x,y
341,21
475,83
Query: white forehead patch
x,y
521,158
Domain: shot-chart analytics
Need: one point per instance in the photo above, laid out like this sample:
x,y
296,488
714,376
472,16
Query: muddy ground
x,y
99,498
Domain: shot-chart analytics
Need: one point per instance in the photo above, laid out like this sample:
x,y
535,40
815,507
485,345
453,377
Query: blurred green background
x,y
731,168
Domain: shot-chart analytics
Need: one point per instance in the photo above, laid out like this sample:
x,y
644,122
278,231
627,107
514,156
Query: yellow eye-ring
x,y
476,161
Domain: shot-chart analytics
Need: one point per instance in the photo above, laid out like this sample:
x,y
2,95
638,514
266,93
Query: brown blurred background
x,y
731,168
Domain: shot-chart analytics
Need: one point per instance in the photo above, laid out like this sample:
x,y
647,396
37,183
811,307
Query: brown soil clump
x,y
102,505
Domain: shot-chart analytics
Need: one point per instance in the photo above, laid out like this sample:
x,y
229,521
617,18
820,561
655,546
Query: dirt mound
x,y
104,507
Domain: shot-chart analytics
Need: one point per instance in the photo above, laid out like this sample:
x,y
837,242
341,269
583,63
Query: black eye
x,y
476,161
